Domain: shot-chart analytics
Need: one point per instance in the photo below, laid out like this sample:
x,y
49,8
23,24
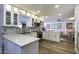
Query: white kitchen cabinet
x,y
45,35
12,48
54,26
52,36
10,18
15,19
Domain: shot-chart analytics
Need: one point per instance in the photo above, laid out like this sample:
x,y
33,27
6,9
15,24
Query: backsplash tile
x,y
9,30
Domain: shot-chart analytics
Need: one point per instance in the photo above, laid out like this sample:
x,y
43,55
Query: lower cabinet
x,y
45,35
12,48
52,36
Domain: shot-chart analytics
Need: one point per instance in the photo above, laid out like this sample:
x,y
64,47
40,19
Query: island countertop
x,y
20,39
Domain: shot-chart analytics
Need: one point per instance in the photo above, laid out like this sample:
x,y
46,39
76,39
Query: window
x,y
15,9
56,26
8,7
47,26
59,26
53,26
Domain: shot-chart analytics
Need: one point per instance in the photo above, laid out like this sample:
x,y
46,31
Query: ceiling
x,y
67,10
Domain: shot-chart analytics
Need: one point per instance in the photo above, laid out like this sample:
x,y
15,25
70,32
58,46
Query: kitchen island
x,y
20,44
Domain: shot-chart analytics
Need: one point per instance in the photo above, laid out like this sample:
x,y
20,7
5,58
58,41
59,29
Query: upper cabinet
x,y
54,26
12,16
7,14
15,15
8,7
8,18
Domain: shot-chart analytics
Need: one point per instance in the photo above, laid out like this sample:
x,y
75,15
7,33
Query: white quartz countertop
x,y
20,39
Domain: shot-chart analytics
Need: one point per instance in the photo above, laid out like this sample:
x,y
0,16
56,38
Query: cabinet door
x,y
45,35
11,48
15,17
54,36
8,18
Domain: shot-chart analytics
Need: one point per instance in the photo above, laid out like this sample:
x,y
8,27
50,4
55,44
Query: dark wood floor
x,y
50,47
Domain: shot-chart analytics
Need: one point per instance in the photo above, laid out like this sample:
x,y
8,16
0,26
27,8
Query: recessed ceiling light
x,y
38,11
59,14
56,6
